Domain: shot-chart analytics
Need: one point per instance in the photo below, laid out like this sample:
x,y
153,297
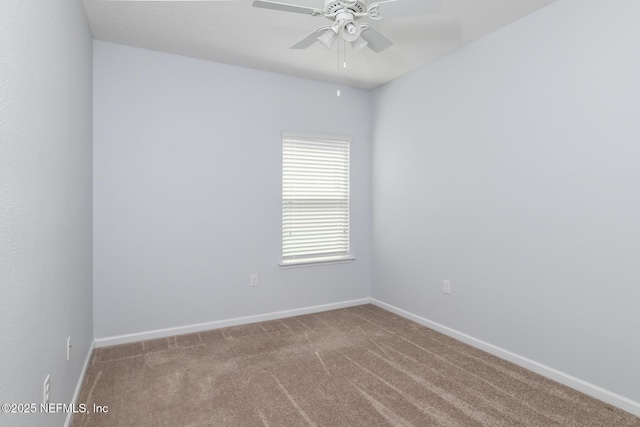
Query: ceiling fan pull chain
x,y
344,55
339,41
339,45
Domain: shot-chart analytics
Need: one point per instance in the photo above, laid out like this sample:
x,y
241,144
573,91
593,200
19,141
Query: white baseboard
x,y
188,329
76,393
546,371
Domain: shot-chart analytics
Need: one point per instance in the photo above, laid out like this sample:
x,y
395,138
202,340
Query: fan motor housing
x,y
332,6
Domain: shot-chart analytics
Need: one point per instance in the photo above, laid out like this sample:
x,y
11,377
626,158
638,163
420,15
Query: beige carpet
x,y
360,366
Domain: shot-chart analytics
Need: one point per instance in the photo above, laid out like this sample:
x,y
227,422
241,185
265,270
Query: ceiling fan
x,y
345,16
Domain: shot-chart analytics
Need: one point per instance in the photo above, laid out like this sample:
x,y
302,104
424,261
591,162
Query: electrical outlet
x,y
447,287
253,280
68,349
46,389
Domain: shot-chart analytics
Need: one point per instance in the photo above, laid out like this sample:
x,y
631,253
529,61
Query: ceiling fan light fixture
x,y
328,38
351,31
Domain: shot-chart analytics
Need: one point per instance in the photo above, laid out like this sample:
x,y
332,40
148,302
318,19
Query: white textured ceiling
x,y
234,32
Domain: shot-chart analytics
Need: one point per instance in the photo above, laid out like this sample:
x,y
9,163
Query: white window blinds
x,y
315,198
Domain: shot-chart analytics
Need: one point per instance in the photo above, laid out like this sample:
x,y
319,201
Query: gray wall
x,y
45,201
512,168
187,190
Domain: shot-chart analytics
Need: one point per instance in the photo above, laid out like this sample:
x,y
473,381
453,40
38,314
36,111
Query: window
x,y
315,198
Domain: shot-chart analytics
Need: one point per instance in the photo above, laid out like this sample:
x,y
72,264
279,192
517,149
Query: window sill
x,y
313,262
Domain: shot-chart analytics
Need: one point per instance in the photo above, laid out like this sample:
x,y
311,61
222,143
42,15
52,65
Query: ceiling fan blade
x,y
310,39
399,8
375,39
286,7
